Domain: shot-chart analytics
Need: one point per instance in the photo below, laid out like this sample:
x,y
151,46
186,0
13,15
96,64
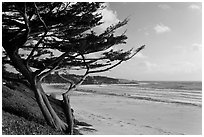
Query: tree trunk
x,y
47,110
68,112
35,84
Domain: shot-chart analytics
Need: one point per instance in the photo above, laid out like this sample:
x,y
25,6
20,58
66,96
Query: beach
x,y
111,114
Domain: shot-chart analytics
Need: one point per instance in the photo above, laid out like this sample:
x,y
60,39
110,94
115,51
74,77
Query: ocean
x,y
184,93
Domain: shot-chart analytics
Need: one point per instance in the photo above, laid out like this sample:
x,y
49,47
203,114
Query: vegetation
x,y
39,38
21,114
54,78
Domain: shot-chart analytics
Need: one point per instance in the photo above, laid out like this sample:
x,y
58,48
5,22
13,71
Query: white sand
x,y
114,115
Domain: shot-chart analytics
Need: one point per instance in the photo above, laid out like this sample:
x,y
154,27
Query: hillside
x,y
54,78
21,114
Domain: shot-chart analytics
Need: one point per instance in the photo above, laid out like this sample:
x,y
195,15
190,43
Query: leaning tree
x,y
39,38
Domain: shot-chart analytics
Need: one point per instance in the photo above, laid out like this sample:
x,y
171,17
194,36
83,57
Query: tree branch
x,y
74,86
80,82
68,80
84,61
38,14
44,74
86,73
106,69
26,19
41,39
136,51
24,14
102,70
54,64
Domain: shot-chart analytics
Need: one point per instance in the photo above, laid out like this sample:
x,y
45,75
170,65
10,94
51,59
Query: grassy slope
x,y
21,114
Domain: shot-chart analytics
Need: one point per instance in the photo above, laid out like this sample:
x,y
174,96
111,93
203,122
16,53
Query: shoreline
x,y
117,115
98,89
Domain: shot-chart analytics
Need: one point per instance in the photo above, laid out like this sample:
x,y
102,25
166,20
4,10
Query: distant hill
x,y
54,78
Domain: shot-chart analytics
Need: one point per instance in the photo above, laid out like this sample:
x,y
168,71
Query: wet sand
x,y
118,115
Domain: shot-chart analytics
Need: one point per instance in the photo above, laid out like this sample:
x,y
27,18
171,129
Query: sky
x,y
172,33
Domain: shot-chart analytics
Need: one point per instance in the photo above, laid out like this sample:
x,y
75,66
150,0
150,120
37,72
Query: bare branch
x,y
37,11
54,64
80,82
86,73
74,86
44,74
87,67
41,39
26,19
71,82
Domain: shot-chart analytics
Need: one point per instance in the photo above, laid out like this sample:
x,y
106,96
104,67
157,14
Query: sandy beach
x,y
118,115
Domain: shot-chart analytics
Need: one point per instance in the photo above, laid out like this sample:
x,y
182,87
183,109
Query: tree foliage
x,y
42,37
47,28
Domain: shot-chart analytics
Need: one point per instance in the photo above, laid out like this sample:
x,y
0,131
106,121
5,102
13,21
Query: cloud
x,y
194,7
146,34
150,67
160,28
170,68
145,30
109,17
164,6
183,67
146,67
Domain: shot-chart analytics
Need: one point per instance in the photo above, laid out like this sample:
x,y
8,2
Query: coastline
x,y
118,115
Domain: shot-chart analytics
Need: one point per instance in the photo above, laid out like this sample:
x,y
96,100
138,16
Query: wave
x,y
146,97
167,101
177,96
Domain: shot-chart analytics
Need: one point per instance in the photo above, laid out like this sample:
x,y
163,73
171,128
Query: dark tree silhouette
x,y
34,32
